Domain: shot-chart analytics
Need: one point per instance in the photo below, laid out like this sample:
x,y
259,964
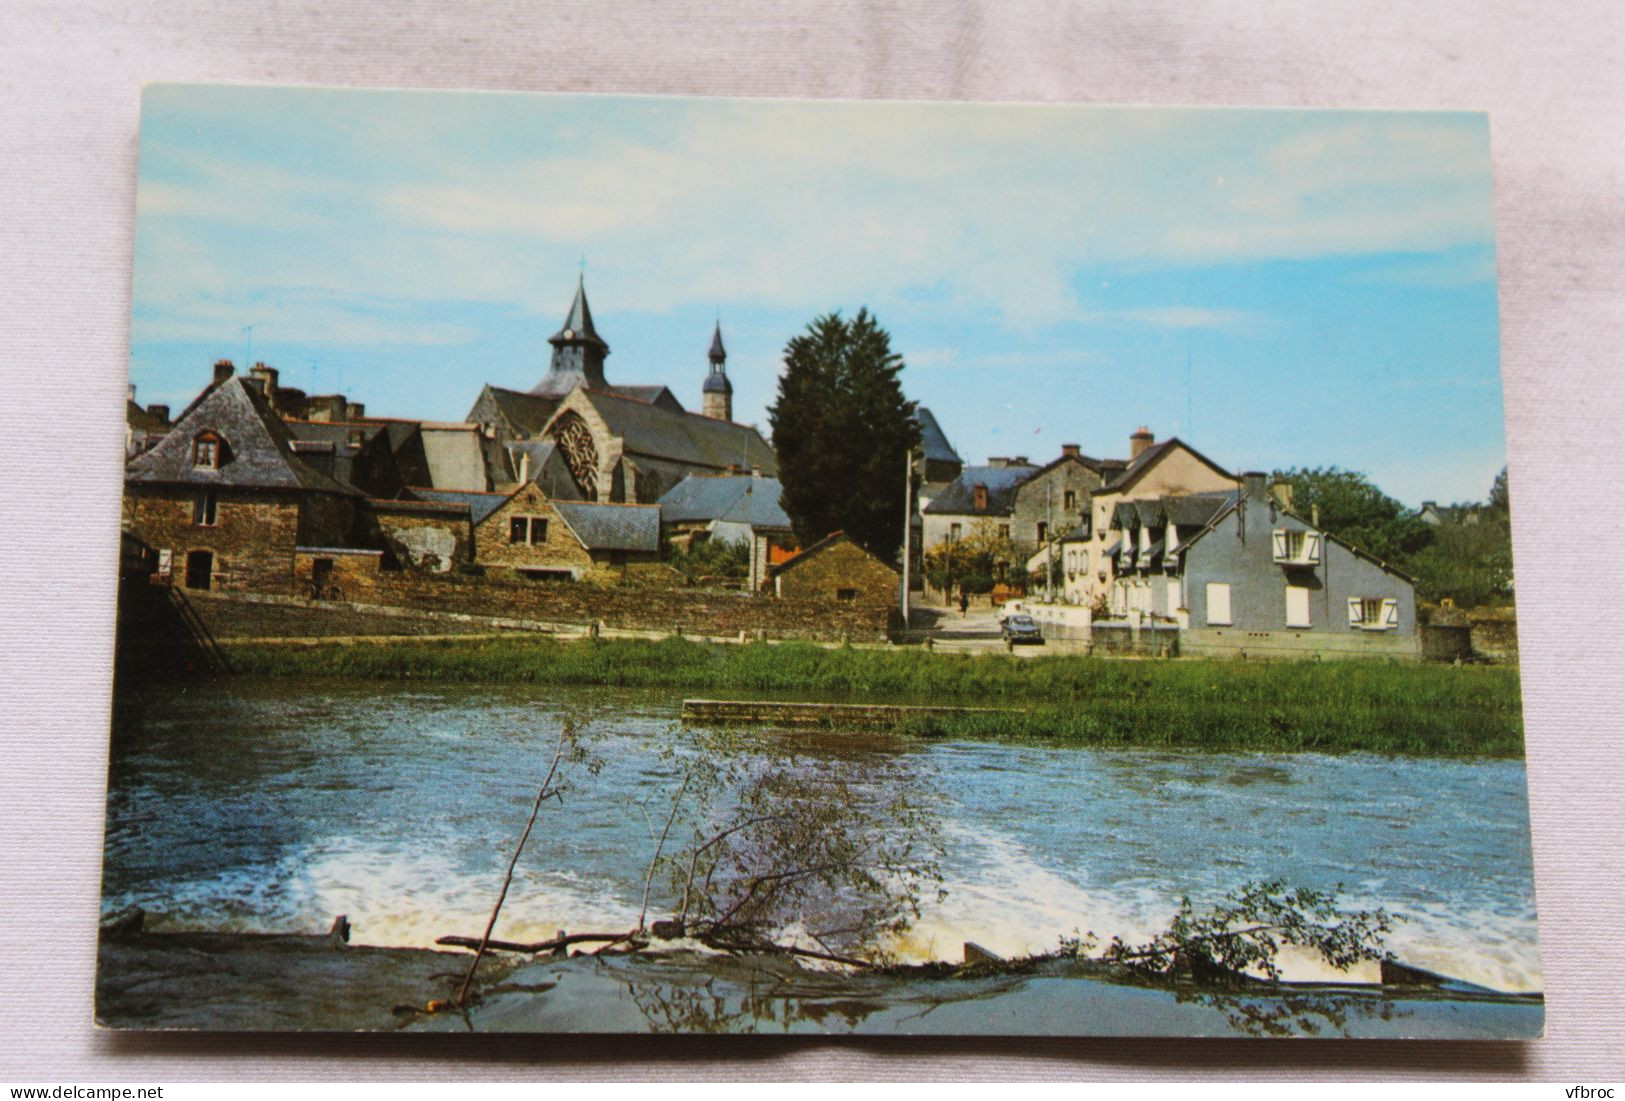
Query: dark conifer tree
x,y
841,428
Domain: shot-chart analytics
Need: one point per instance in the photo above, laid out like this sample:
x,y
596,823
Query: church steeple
x,y
719,392
578,351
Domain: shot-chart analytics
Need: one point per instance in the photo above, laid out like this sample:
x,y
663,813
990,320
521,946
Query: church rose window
x,y
580,454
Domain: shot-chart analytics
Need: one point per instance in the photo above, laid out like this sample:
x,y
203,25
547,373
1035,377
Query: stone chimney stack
x,y
1139,441
1255,485
129,392
159,411
358,409
1071,451
223,369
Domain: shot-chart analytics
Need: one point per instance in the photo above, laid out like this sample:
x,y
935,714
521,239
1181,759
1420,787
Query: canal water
x,y
273,805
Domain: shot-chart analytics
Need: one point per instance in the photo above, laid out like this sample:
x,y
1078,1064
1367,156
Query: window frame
x,y
206,508
206,450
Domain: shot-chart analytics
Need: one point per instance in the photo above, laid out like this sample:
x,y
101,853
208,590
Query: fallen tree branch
x,y
507,880
552,945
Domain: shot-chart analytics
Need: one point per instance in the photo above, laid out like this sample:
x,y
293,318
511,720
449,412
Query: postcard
x,y
613,564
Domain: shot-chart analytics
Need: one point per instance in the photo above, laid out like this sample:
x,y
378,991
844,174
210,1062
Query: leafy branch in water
x,y
773,845
1245,933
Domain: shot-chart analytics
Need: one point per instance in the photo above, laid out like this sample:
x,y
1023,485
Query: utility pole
x,y
908,523
1049,544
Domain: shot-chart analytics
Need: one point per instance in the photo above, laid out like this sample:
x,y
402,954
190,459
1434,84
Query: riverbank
x,y
1335,707
227,981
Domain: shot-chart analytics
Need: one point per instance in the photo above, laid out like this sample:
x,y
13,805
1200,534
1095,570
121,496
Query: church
x,y
580,437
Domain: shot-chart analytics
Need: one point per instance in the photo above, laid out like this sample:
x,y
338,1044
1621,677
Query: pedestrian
x,y
964,603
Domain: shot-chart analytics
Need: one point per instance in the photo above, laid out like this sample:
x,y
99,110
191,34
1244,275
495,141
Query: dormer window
x,y
206,451
978,495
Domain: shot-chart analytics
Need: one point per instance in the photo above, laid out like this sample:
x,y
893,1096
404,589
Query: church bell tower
x,y
578,352
719,392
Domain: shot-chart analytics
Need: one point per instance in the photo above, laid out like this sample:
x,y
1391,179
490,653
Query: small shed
x,y
836,570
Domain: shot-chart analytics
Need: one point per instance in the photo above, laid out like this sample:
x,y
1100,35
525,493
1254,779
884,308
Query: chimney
x,y
223,370
129,392
1282,492
1020,460
1255,485
1139,441
524,467
357,410
265,378
997,462
1071,451
159,411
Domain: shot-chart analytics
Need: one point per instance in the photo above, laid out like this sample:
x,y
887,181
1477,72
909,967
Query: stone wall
x,y
424,536
635,607
252,538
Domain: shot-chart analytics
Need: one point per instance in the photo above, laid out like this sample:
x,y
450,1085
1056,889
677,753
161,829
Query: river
x,y
275,804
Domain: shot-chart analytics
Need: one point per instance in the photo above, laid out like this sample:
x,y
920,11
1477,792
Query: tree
x,y
841,429
974,563
1500,500
1352,508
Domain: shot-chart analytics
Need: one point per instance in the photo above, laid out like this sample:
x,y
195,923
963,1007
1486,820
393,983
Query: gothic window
x,y
580,453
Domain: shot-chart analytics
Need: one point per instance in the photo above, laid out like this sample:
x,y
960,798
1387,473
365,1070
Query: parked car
x,y
1008,609
1020,628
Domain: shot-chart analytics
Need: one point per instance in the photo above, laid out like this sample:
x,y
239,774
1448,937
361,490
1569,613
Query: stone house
x,y
225,502
530,535
1239,574
741,509
1154,470
1053,500
837,570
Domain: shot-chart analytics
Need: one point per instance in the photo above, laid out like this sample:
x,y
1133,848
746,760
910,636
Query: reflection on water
x,y
274,805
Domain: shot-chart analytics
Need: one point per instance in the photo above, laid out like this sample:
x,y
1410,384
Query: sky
x,y
1278,288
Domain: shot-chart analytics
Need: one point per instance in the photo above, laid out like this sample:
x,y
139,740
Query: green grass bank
x,y
1331,707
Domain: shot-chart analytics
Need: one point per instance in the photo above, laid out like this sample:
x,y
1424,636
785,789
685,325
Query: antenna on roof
x,y
248,354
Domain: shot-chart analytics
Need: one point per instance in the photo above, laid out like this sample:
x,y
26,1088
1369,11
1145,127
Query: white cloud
x,y
808,205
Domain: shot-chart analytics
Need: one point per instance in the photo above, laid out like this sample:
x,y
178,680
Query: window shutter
x,y
1390,613
1311,546
1218,604
1355,616
1280,545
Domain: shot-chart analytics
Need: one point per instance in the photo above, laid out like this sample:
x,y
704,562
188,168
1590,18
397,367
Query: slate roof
x,y
479,505
1137,466
524,413
653,395
334,437
613,527
739,499
661,433
1001,481
933,441
1196,509
578,322
258,451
